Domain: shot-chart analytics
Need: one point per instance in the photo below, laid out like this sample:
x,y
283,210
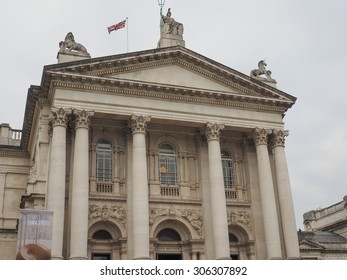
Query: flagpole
x,y
127,34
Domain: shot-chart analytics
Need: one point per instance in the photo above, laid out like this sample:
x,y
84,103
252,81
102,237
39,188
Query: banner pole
x,y
127,34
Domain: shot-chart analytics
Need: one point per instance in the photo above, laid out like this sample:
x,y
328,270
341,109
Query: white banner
x,y
178,270
34,241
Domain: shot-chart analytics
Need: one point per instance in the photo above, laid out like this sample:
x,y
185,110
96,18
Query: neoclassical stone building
x,y
325,235
156,154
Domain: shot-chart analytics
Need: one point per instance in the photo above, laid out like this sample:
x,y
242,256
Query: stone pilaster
x,y
217,192
56,178
267,194
80,187
285,196
140,213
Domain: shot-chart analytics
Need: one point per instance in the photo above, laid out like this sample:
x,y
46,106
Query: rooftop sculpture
x,y
257,73
171,31
170,26
69,45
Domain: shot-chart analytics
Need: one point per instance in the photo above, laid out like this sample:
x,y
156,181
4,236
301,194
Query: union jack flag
x,y
116,26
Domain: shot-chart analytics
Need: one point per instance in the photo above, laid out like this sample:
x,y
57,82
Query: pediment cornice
x,y
106,66
117,86
310,245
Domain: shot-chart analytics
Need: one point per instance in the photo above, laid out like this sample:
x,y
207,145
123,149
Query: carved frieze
x,y
240,217
193,217
32,171
107,212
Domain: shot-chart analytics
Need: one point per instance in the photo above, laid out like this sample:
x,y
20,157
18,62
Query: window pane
x,y
228,172
104,161
167,165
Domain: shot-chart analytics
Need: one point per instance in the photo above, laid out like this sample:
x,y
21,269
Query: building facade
x,y
157,154
325,235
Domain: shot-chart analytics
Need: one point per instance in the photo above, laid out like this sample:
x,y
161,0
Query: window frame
x,y
104,156
167,160
228,170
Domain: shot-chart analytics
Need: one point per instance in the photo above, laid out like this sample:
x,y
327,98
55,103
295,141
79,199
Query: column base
x,y
58,258
276,258
78,258
141,258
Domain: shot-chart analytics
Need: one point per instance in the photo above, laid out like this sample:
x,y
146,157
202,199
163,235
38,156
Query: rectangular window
x,y
228,173
104,166
168,169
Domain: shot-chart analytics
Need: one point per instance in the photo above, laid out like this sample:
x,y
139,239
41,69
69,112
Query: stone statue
x,y
70,45
261,71
170,26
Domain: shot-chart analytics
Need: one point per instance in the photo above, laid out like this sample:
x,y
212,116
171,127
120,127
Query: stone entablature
x,y
245,87
332,218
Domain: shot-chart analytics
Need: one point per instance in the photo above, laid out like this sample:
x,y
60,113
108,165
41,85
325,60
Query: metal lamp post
x,y
161,4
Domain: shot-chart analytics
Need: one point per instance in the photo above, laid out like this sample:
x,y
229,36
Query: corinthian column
x,y
285,197
56,179
218,201
80,187
267,194
140,211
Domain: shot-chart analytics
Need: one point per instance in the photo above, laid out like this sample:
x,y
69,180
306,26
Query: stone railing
x,y
236,195
172,191
9,136
101,188
104,187
231,194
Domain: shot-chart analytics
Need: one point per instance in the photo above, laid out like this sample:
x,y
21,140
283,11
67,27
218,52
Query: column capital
x,y
138,124
213,131
260,136
279,137
82,118
59,117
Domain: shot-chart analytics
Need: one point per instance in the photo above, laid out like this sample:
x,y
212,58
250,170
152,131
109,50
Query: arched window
x,y
228,172
167,164
168,234
102,234
103,161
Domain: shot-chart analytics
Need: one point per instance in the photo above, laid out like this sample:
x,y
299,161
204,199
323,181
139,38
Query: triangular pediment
x,y
310,245
172,74
173,70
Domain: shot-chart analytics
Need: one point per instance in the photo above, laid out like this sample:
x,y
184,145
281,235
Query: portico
x,y
160,154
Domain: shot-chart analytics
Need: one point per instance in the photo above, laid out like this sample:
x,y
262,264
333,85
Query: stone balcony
x,y
9,136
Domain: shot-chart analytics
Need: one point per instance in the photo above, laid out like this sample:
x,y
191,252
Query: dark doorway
x,y
169,256
101,256
234,257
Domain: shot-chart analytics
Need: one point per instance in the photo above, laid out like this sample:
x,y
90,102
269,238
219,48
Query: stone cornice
x,y
6,152
167,56
166,92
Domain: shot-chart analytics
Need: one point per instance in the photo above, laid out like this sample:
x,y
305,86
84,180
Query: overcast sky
x,y
303,41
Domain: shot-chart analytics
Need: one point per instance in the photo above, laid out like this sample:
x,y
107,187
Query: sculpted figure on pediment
x,y
258,73
70,45
170,26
